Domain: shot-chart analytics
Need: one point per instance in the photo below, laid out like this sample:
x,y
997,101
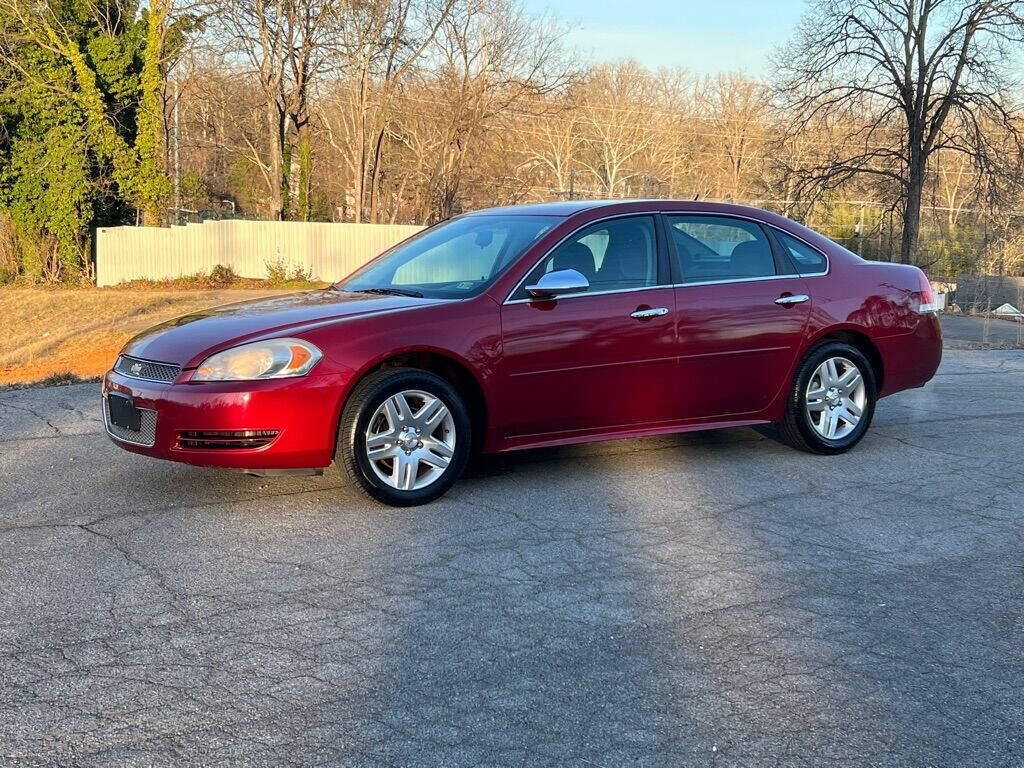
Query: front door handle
x,y
644,314
799,298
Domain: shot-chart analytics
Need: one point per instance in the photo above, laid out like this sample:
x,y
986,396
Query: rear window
x,y
712,248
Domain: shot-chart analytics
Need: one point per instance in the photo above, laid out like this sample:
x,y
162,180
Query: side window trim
x,y
668,250
663,275
784,266
677,266
664,268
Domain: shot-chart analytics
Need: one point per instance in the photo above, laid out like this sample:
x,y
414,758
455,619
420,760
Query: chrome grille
x,y
146,436
135,368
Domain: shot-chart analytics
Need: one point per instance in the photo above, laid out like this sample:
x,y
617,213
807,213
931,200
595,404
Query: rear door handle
x,y
799,298
644,314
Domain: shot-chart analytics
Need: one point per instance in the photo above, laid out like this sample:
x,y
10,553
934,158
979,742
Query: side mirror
x,y
557,283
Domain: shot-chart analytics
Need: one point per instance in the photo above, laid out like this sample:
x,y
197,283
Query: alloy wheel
x,y
410,440
835,398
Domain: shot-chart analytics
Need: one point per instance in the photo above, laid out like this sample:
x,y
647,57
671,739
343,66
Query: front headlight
x,y
271,359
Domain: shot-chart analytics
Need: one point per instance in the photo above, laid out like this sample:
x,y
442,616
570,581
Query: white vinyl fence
x,y
328,251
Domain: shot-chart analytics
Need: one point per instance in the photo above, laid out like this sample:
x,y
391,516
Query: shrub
x,y
300,275
279,272
221,276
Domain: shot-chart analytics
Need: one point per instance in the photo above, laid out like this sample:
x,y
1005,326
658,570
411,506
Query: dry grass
x,y
55,331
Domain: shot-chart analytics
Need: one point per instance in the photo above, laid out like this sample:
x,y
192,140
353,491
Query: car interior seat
x,y
628,256
751,259
575,256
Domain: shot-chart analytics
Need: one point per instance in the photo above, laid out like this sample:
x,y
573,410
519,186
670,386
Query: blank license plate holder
x,y
123,413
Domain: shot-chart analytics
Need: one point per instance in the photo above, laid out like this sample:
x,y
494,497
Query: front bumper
x,y
303,411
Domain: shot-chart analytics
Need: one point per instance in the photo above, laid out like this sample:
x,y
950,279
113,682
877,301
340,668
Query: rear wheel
x,y
404,436
832,400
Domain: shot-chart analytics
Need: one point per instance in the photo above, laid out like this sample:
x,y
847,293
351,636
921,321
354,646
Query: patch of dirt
x,y
86,357
79,331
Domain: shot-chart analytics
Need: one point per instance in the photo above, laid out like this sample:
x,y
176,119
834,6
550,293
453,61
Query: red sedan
x,y
533,326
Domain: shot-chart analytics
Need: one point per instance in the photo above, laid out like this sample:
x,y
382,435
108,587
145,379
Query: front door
x,y
598,360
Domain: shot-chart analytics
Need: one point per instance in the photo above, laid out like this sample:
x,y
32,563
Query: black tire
x,y
796,427
361,406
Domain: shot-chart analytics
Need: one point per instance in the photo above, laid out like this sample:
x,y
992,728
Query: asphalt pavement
x,y
715,599
982,331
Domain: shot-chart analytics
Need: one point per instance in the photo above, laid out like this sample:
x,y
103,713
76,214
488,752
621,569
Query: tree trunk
x,y
398,200
275,134
305,205
375,174
912,213
286,170
360,191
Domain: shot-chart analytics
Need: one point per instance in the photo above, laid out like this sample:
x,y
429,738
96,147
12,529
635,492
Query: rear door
x,y
598,360
740,319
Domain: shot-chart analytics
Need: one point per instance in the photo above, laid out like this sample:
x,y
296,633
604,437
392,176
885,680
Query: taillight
x,y
926,300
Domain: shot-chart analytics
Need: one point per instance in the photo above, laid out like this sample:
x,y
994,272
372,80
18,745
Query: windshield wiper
x,y
391,292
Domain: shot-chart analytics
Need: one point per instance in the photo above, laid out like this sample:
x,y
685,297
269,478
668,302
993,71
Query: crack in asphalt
x,y
33,412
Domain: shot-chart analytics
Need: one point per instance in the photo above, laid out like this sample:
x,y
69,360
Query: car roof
x,y
555,208
569,208
564,208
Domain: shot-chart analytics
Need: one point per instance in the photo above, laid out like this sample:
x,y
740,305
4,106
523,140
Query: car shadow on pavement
x,y
496,464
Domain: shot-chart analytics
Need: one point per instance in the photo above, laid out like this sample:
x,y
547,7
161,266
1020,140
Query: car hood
x,y
186,340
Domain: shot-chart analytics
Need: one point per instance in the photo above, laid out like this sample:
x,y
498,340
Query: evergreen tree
x,y
80,126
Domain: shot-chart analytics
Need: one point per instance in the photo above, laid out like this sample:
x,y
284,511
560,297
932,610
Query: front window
x,y
620,254
456,259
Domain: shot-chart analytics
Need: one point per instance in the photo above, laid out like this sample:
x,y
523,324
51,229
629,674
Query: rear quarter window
x,y
806,259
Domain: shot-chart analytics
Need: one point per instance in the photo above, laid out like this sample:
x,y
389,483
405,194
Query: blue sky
x,y
704,37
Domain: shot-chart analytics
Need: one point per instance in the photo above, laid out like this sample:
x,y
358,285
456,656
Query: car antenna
x,y
697,196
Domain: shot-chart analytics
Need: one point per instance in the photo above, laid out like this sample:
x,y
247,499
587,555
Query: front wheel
x,y
832,400
404,436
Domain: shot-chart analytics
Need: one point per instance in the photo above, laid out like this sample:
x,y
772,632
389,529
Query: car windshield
x,y
456,259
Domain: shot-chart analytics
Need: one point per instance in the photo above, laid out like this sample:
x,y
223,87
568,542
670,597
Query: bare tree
x,y
491,59
677,152
738,123
309,25
380,42
283,43
910,78
614,103
256,29
555,144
